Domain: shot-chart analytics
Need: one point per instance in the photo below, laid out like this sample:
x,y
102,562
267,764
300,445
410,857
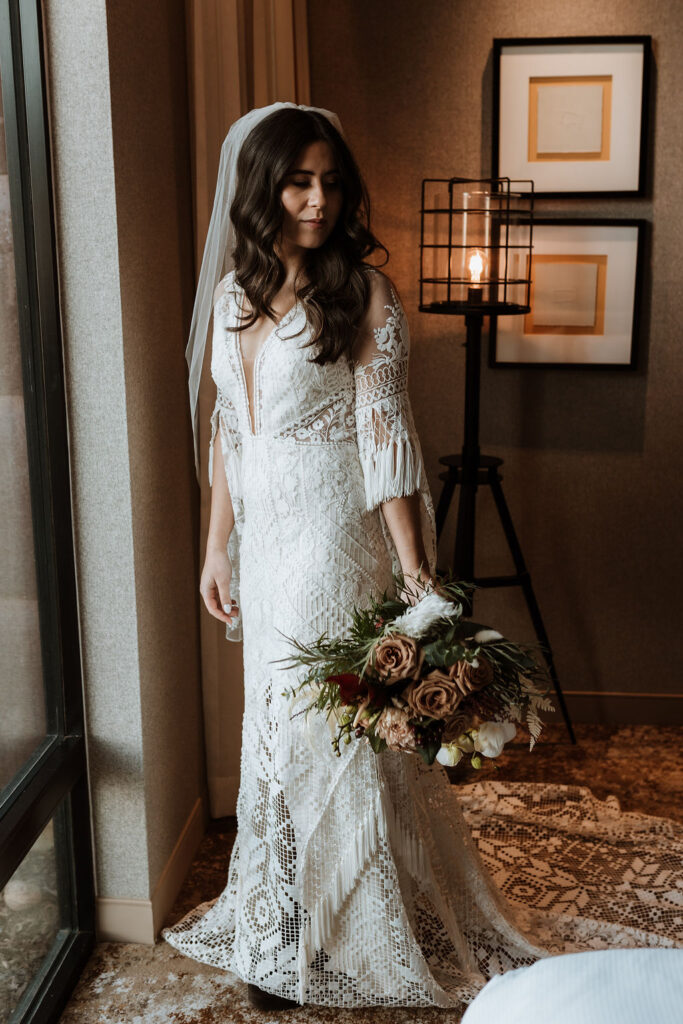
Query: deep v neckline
x,y
254,422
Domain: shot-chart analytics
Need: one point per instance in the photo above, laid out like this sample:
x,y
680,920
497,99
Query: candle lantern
x,y
475,261
476,241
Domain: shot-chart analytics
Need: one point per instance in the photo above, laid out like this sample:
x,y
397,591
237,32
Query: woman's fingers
x,y
414,590
217,599
409,595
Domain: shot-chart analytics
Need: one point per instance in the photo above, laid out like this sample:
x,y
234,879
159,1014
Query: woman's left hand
x,y
414,589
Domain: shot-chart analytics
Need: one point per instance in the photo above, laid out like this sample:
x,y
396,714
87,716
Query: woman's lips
x,y
316,224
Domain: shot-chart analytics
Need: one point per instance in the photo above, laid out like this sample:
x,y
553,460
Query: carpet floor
x,y
124,983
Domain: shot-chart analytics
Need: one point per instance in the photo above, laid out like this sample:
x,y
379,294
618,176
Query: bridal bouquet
x,y
421,679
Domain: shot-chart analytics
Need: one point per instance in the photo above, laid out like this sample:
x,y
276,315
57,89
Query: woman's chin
x,y
308,239
313,243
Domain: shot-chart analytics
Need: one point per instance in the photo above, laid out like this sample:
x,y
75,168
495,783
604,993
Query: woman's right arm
x,y
216,575
217,572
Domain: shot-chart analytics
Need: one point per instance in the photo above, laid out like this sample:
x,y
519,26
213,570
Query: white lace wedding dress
x,y
364,879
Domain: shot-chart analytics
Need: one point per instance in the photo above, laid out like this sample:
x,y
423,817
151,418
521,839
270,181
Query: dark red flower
x,y
350,686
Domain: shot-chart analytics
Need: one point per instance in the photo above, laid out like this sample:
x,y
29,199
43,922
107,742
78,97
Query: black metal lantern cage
x,y
475,245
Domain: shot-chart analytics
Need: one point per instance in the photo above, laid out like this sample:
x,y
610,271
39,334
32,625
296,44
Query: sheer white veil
x,y
220,241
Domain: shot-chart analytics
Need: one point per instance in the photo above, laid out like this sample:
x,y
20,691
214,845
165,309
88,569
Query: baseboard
x,y
139,920
119,920
177,866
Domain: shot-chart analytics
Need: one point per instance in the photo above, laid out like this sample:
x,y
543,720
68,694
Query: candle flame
x,y
476,267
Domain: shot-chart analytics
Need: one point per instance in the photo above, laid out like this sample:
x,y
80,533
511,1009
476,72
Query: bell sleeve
x,y
224,423
388,444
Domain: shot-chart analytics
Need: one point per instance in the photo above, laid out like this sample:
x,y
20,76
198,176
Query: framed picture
x,y
571,113
586,284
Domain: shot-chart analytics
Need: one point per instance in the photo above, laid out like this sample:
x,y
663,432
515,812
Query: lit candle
x,y
476,268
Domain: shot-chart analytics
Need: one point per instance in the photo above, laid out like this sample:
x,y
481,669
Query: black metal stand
x,y
470,469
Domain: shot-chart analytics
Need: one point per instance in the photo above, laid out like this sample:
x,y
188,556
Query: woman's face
x,y
311,197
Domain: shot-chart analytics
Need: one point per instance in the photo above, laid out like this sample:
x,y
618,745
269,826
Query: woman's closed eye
x,y
327,184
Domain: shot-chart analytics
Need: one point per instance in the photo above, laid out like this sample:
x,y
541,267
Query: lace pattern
x,y
365,880
388,442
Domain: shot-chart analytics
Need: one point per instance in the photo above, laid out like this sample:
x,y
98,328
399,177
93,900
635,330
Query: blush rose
x,y
469,676
435,695
398,657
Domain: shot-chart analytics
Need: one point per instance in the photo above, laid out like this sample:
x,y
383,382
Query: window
x,y
46,877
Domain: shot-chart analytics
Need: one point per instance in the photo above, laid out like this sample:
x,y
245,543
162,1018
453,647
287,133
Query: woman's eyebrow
x,y
300,170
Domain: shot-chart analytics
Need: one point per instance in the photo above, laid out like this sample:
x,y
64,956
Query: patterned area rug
x,y
637,768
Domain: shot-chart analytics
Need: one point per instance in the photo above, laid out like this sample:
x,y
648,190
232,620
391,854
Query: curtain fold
x,y
241,54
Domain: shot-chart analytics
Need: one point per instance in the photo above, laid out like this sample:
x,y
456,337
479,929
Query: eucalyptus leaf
x,y
435,653
442,652
376,742
429,751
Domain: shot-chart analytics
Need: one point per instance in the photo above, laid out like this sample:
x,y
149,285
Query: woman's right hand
x,y
214,586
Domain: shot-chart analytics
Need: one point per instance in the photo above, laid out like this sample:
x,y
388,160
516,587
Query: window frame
x,y
53,782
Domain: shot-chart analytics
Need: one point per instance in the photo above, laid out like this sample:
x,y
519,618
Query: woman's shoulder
x,y
225,284
382,290
377,277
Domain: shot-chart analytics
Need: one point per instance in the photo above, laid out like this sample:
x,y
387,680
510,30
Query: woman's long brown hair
x,y
336,293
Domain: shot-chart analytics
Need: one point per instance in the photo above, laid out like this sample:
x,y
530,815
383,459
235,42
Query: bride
x,y
354,880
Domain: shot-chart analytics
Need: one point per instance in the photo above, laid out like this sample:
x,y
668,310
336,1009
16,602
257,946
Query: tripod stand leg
x,y
463,557
445,500
529,595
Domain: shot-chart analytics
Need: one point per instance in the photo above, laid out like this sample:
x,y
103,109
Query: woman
x,y
354,880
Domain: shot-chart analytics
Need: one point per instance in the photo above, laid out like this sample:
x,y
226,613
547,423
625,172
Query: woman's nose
x,y
317,197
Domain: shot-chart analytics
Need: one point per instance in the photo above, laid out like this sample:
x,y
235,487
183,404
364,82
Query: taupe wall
x,y
592,468
150,130
122,188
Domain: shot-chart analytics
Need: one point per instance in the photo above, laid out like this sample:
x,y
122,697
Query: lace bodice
x,y
360,401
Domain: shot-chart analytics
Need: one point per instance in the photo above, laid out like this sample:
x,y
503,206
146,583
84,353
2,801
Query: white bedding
x,y
614,986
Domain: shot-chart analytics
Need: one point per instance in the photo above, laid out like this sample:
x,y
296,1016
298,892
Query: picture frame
x,y
571,113
587,280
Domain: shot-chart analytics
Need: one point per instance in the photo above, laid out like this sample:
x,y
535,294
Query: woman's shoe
x,y
267,1001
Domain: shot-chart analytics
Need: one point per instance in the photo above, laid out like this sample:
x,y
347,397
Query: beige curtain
x,y
242,54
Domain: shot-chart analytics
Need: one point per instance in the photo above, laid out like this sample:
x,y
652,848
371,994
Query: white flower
x,y
492,736
465,742
485,635
450,754
416,621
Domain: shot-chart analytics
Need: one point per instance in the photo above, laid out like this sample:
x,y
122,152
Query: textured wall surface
x,y
124,234
592,469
